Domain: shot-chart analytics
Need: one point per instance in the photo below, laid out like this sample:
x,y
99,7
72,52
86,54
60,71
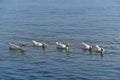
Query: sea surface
x,y
67,21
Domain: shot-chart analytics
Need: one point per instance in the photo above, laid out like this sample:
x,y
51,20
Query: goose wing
x,y
85,45
36,43
98,47
14,46
60,45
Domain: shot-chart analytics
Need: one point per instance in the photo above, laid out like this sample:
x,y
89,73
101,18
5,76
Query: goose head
x,y
102,50
90,48
68,45
44,45
23,45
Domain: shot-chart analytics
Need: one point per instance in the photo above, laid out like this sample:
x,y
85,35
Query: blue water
x,y
73,21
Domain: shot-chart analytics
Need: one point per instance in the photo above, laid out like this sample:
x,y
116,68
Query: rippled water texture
x,y
73,21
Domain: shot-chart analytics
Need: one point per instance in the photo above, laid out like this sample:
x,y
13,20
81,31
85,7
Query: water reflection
x,y
64,50
102,55
42,48
85,50
13,51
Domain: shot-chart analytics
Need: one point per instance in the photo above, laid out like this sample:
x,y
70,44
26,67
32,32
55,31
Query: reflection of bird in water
x,y
87,47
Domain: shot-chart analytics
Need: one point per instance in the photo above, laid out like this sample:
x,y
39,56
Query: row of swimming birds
x,y
59,45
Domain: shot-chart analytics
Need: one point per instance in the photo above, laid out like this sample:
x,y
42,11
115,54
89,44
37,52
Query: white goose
x,y
16,47
62,46
39,44
87,47
99,49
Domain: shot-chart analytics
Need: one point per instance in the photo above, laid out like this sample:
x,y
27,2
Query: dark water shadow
x,y
42,48
102,55
14,50
86,50
67,51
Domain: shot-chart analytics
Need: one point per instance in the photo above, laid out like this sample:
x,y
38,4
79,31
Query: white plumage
x,y
15,47
62,46
99,49
86,46
39,44
35,43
